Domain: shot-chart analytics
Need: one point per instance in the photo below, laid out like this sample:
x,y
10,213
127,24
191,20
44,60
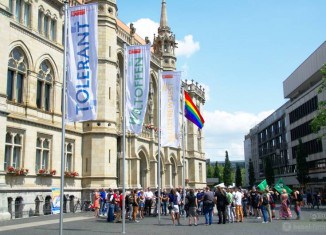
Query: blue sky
x,y
240,50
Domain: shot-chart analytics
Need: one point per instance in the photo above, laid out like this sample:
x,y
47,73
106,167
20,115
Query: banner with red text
x,y
82,63
170,108
137,59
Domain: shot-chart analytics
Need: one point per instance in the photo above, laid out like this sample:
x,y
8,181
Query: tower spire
x,y
164,18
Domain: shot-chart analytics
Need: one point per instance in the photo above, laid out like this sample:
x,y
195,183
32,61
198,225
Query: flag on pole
x,y
262,186
137,86
82,63
170,108
192,113
279,186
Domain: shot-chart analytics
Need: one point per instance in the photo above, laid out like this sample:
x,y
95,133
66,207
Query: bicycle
x,y
86,206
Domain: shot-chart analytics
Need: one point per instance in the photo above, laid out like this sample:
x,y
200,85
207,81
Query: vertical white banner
x,y
137,78
170,108
82,63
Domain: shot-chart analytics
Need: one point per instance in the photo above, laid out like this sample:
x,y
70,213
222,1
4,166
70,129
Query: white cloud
x,y
225,131
146,27
187,46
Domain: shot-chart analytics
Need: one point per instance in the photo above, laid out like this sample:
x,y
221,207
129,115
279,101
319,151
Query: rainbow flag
x,y
192,113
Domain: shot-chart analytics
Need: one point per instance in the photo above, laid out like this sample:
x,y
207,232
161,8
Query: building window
x,y
42,154
46,26
27,15
40,21
18,10
69,156
13,150
44,86
16,74
53,28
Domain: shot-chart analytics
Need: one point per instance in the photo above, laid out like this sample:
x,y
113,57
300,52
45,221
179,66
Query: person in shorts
x,y
192,204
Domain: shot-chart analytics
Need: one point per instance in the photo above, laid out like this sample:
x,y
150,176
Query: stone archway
x,y
19,207
143,170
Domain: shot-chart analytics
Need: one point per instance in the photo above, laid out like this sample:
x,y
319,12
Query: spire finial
x,y
164,17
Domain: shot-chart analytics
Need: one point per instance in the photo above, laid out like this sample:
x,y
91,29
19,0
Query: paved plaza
x,y
312,222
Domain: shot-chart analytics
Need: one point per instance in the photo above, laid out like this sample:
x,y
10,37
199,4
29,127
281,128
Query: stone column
x,y
153,174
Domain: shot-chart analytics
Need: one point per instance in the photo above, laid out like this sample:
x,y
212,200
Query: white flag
x,y
82,63
170,108
137,78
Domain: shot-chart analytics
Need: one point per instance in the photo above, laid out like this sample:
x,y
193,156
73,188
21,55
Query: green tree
x,y
238,176
227,170
217,173
209,170
251,173
302,169
269,172
319,120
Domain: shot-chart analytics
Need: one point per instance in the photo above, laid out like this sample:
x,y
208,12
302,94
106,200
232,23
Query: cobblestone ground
x,y
312,222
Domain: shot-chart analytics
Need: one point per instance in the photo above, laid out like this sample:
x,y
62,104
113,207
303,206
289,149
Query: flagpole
x,y
124,143
63,133
183,149
159,147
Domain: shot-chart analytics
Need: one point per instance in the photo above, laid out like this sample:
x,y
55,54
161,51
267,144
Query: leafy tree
x,y
238,176
227,170
319,120
269,172
209,171
251,173
302,169
217,173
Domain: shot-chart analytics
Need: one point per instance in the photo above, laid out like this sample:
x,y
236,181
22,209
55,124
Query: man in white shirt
x,y
148,201
238,205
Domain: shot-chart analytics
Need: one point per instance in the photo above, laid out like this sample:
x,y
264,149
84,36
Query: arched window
x,y
13,150
42,154
69,157
17,73
44,86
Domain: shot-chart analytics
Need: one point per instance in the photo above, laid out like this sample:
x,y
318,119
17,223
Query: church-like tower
x,y
164,43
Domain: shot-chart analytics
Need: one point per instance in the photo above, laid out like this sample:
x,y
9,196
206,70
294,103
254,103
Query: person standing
x,y
141,204
297,198
96,203
134,205
175,214
102,201
284,211
165,200
208,204
229,207
221,202
111,205
118,198
148,201
238,205
191,202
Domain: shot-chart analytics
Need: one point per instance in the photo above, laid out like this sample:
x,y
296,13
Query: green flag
x,y
279,186
262,186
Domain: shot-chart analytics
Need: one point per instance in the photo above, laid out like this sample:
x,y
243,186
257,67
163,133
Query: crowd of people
x,y
233,205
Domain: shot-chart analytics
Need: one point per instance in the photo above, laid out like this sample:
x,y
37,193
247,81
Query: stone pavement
x,y
312,222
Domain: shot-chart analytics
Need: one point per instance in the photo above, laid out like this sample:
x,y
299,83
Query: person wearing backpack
x,y
263,206
297,198
111,205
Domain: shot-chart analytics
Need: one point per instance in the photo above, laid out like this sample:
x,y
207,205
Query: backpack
x,y
299,197
271,199
265,200
131,199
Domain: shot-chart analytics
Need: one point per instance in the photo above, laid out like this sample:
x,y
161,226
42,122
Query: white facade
x,y
30,115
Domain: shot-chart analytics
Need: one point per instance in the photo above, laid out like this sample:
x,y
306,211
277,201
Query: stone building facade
x,y
30,112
